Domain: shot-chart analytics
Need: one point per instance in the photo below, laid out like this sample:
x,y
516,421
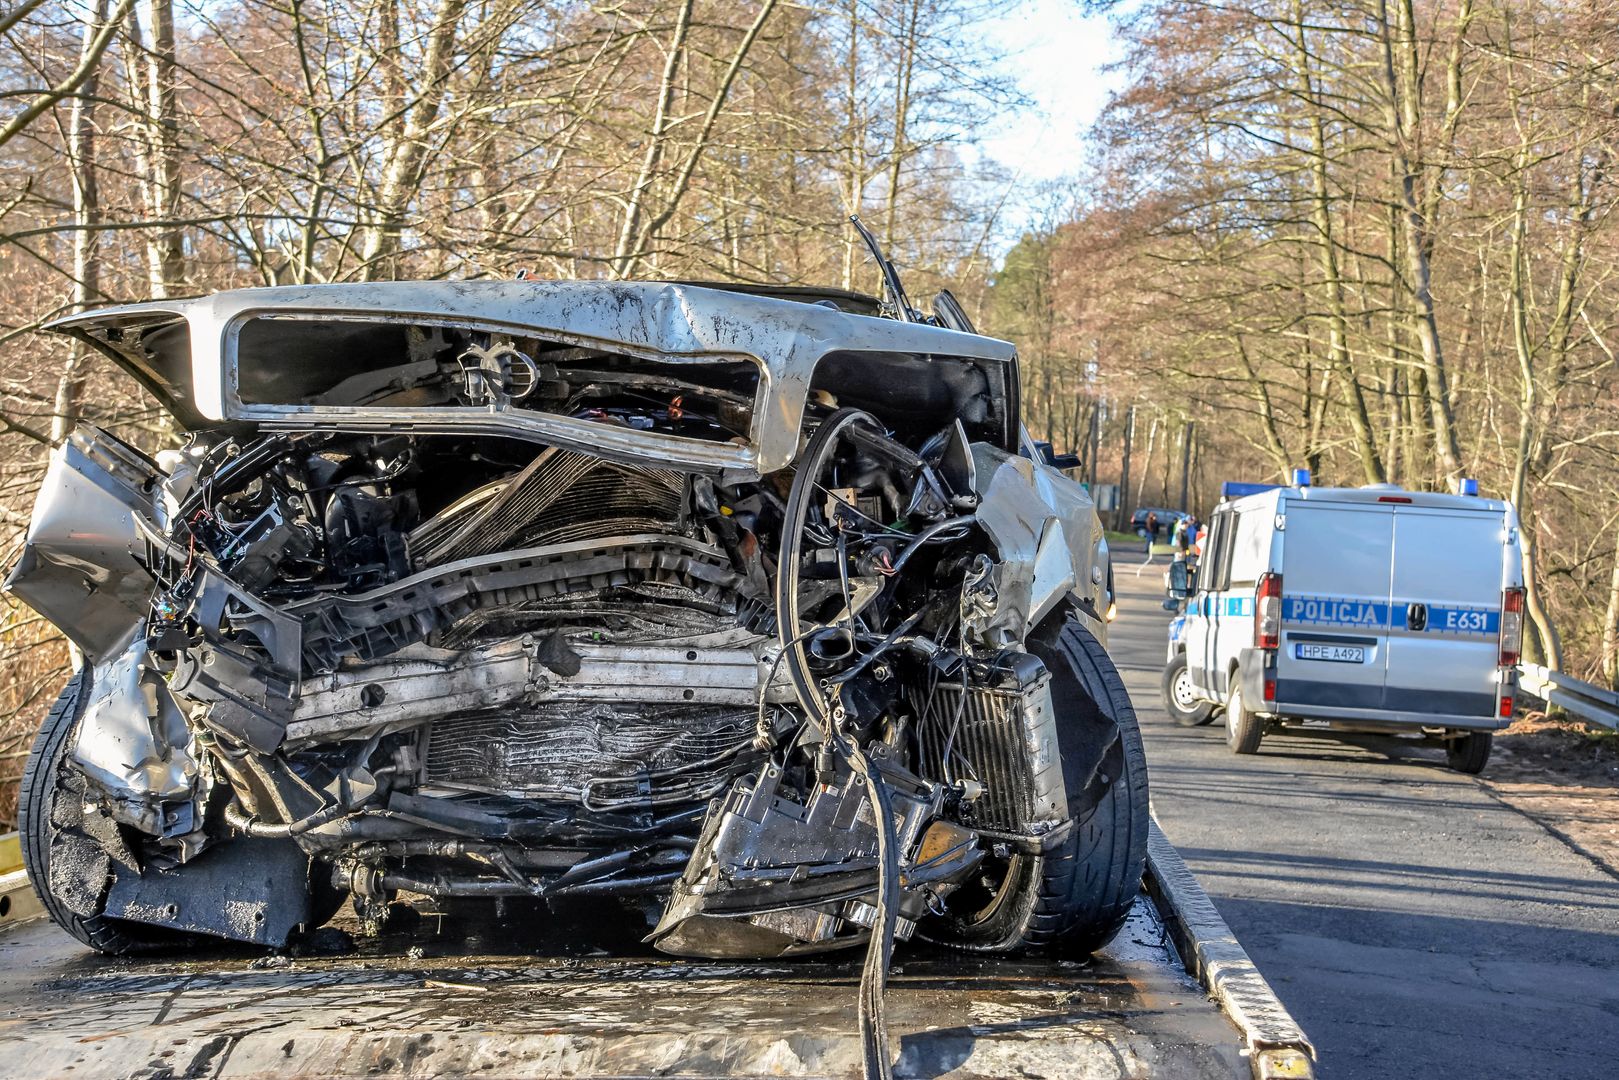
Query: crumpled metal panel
x,y
244,890
1048,541
669,322
84,560
132,739
420,683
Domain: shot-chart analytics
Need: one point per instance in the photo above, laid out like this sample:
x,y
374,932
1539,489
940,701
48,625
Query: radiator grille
x,y
603,753
990,747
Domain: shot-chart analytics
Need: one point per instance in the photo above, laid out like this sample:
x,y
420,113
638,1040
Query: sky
x,y
1057,54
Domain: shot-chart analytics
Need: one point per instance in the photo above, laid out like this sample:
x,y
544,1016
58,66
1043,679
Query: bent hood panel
x,y
670,321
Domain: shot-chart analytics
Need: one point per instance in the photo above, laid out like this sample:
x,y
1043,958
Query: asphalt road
x,y
1413,923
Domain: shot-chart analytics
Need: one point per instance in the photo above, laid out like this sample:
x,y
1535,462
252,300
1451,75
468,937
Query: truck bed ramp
x,y
418,1005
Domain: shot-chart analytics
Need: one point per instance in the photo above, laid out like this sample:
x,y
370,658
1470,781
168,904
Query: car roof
x,y
1373,495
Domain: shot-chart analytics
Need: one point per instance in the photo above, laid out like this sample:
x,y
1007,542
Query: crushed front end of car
x,y
753,614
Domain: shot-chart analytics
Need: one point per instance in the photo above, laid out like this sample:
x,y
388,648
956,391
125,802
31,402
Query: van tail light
x,y
1511,628
1268,612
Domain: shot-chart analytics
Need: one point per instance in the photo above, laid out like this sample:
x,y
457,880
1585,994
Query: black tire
x,y
1469,753
53,828
1243,728
1183,707
1078,893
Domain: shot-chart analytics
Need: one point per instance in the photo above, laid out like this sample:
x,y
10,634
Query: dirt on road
x,y
1564,774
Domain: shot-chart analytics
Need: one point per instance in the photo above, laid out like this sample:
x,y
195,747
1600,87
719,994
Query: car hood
x,y
184,351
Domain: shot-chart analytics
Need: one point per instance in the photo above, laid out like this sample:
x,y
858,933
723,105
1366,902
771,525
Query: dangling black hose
x,y
788,630
874,974
880,949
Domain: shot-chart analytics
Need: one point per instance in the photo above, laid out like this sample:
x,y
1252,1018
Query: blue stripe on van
x,y
1222,605
1376,615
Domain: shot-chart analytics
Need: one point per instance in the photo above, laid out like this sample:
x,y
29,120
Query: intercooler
x,y
598,753
992,744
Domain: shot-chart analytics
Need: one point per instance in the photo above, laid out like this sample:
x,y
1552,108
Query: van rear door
x,y
1335,610
1445,610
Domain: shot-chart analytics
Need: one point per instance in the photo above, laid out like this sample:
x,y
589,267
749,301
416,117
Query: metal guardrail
x,y
1586,700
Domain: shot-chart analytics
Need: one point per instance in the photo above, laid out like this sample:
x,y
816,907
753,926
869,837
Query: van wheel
x,y
1180,698
1243,729
1078,892
66,848
1469,753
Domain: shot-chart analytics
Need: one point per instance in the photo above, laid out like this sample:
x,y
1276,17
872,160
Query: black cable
x,y
880,949
874,974
788,630
927,534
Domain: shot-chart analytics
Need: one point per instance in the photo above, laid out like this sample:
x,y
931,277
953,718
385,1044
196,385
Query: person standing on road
x,y
1152,529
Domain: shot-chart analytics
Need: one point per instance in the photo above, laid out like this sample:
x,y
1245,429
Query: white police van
x,y
1353,609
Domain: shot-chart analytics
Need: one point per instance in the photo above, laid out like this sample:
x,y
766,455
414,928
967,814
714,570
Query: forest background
x,y
1374,238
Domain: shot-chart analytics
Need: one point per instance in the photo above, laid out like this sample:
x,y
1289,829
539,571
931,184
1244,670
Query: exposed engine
x,y
757,617
470,666
410,651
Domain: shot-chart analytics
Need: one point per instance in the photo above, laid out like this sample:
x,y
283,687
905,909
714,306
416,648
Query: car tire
x,y
1243,729
1469,752
56,831
1078,893
1183,706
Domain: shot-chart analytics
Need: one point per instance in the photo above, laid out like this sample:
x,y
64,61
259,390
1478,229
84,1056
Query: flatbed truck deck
x,y
1174,995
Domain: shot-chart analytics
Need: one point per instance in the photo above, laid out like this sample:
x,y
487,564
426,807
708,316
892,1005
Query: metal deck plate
x,y
423,1004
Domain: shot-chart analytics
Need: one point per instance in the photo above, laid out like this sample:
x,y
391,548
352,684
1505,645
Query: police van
x,y
1353,609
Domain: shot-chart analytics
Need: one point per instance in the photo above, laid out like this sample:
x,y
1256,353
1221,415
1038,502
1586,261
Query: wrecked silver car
x,y
752,611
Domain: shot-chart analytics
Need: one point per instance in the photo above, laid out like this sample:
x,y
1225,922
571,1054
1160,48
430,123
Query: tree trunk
x,y
902,111
1327,252
165,243
854,153
1267,410
1402,112
86,216
1610,624
1146,461
1094,445
1124,471
627,260
407,155
1168,474
1186,461
89,58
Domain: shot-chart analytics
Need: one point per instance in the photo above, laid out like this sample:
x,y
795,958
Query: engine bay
x,y
770,713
